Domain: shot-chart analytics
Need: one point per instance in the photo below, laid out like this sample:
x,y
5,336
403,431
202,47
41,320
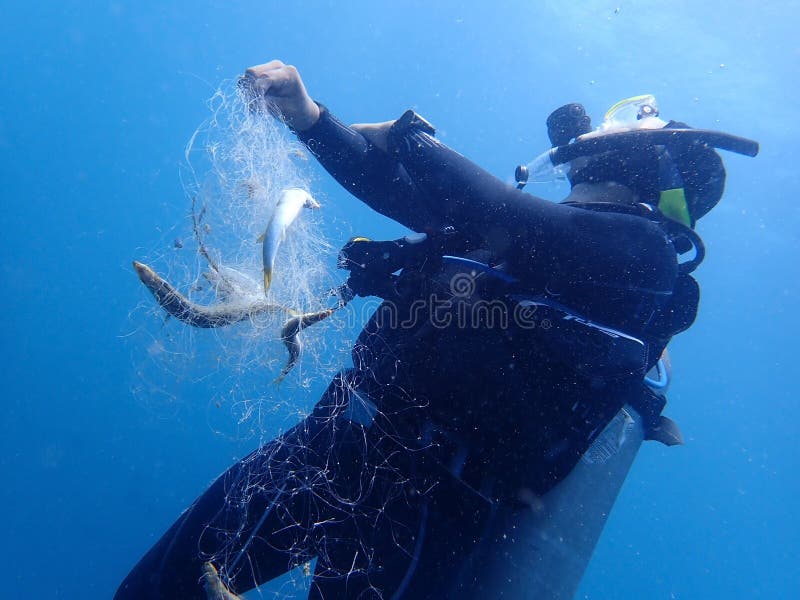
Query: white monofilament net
x,y
237,164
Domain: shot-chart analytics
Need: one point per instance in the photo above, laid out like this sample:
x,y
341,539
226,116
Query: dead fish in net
x,y
197,315
291,202
290,335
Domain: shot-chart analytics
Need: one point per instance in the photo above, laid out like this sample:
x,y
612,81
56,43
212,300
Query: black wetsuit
x,y
391,480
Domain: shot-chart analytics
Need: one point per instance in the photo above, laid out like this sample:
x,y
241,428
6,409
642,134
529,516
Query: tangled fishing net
x,y
237,165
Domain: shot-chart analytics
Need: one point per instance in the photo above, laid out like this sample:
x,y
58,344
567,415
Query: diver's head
x,y
635,169
634,156
683,180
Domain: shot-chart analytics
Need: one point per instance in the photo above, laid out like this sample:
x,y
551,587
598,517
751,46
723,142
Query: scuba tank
x,y
540,548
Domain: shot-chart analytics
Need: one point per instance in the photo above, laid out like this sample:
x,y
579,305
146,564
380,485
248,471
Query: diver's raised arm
x,y
371,174
541,240
355,156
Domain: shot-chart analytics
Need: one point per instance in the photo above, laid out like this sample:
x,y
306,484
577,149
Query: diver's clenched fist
x,y
282,86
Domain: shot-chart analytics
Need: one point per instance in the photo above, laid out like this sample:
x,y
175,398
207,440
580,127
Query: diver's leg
x,y
411,538
369,549
456,518
259,519
221,526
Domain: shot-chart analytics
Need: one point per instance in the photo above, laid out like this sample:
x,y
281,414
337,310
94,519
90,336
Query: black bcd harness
x,y
404,268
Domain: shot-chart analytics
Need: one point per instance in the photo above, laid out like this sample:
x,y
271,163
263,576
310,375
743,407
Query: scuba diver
x,y
510,354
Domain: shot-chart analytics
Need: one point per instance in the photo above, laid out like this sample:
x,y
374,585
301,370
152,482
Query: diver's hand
x,y
282,85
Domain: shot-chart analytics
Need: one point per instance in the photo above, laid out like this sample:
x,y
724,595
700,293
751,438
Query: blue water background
x,y
97,100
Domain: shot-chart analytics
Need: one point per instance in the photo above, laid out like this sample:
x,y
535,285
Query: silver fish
x,y
291,202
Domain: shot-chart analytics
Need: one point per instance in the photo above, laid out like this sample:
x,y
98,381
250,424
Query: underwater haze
x,y
98,101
